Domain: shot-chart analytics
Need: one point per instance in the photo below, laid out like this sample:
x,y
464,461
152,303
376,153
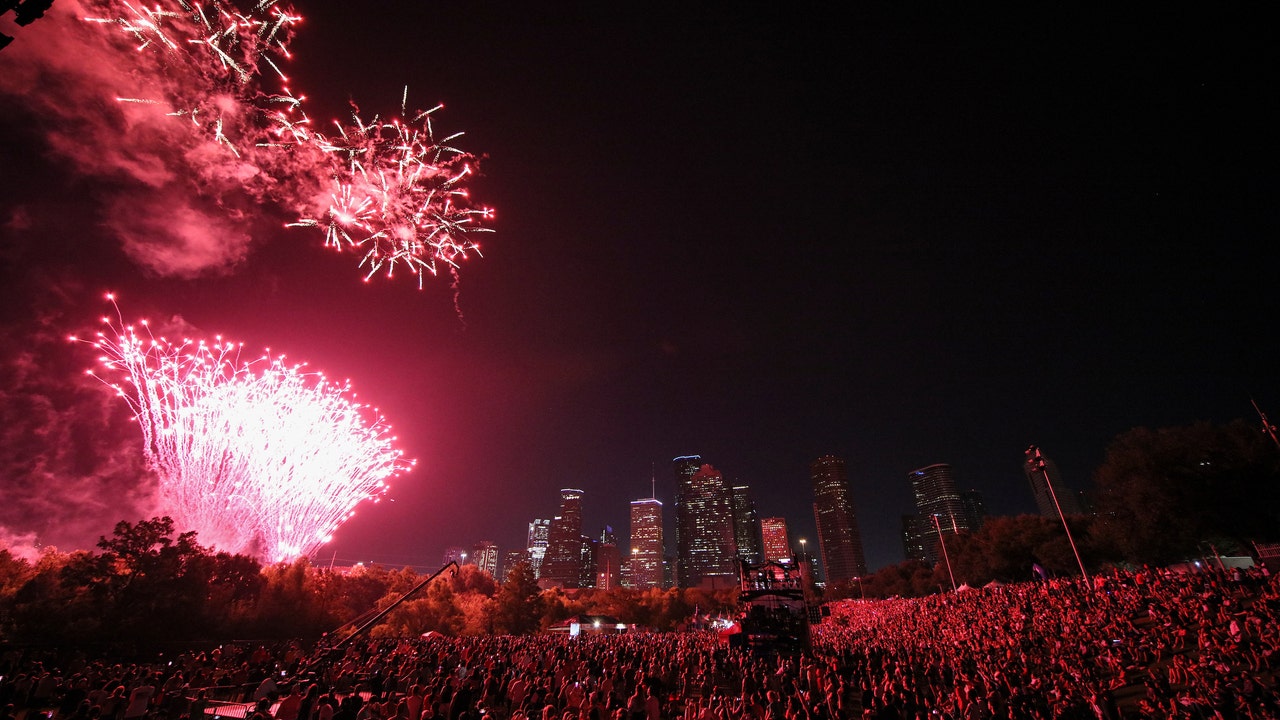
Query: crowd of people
x,y
1149,644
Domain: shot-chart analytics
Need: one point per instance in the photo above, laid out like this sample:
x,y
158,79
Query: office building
x,y
938,505
913,539
608,561
646,544
839,539
539,538
510,560
563,563
705,544
975,510
746,525
485,556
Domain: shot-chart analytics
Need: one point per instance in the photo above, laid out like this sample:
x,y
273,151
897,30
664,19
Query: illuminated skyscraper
x,y
913,545
777,546
746,525
454,554
564,560
975,510
646,543
934,489
839,540
539,537
485,556
705,545
590,549
938,505
685,467
510,560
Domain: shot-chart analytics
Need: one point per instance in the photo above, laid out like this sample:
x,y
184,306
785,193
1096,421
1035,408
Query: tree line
x,y
146,585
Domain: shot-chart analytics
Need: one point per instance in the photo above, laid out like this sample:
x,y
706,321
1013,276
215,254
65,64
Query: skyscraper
x,y
839,540
913,545
777,546
539,537
938,504
975,510
1067,498
608,561
590,552
485,556
646,543
685,467
563,562
746,525
705,545
510,560
455,554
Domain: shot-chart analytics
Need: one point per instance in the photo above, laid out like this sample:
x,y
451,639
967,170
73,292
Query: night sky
x,y
901,236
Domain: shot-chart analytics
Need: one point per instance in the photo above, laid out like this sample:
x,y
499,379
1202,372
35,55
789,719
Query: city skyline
x,y
932,486
922,236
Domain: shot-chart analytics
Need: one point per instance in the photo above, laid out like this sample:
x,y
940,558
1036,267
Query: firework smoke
x,y
67,454
259,458
186,110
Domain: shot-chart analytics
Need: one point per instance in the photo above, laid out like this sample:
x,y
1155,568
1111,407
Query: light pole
x,y
802,549
1038,463
943,543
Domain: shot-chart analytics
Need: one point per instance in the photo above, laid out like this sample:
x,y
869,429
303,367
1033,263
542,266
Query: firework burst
x,y
205,62
398,196
385,189
259,458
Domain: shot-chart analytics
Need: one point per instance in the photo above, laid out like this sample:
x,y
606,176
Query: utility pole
x,y
946,557
1267,427
1039,463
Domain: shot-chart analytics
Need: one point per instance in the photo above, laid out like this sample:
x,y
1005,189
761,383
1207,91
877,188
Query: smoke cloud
x,y
71,460
172,190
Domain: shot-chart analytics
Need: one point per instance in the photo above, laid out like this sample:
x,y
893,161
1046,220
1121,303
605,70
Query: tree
x,y
471,579
1006,548
150,584
518,604
235,585
293,601
50,607
1162,492
910,578
14,572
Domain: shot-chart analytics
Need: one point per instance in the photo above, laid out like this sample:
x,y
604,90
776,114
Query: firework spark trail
x,y
398,196
260,457
386,189
205,62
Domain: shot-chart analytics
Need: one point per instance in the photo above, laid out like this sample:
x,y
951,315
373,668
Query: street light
x,y
1038,463
943,543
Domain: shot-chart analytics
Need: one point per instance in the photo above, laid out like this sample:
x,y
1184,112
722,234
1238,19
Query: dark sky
x,y
901,236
